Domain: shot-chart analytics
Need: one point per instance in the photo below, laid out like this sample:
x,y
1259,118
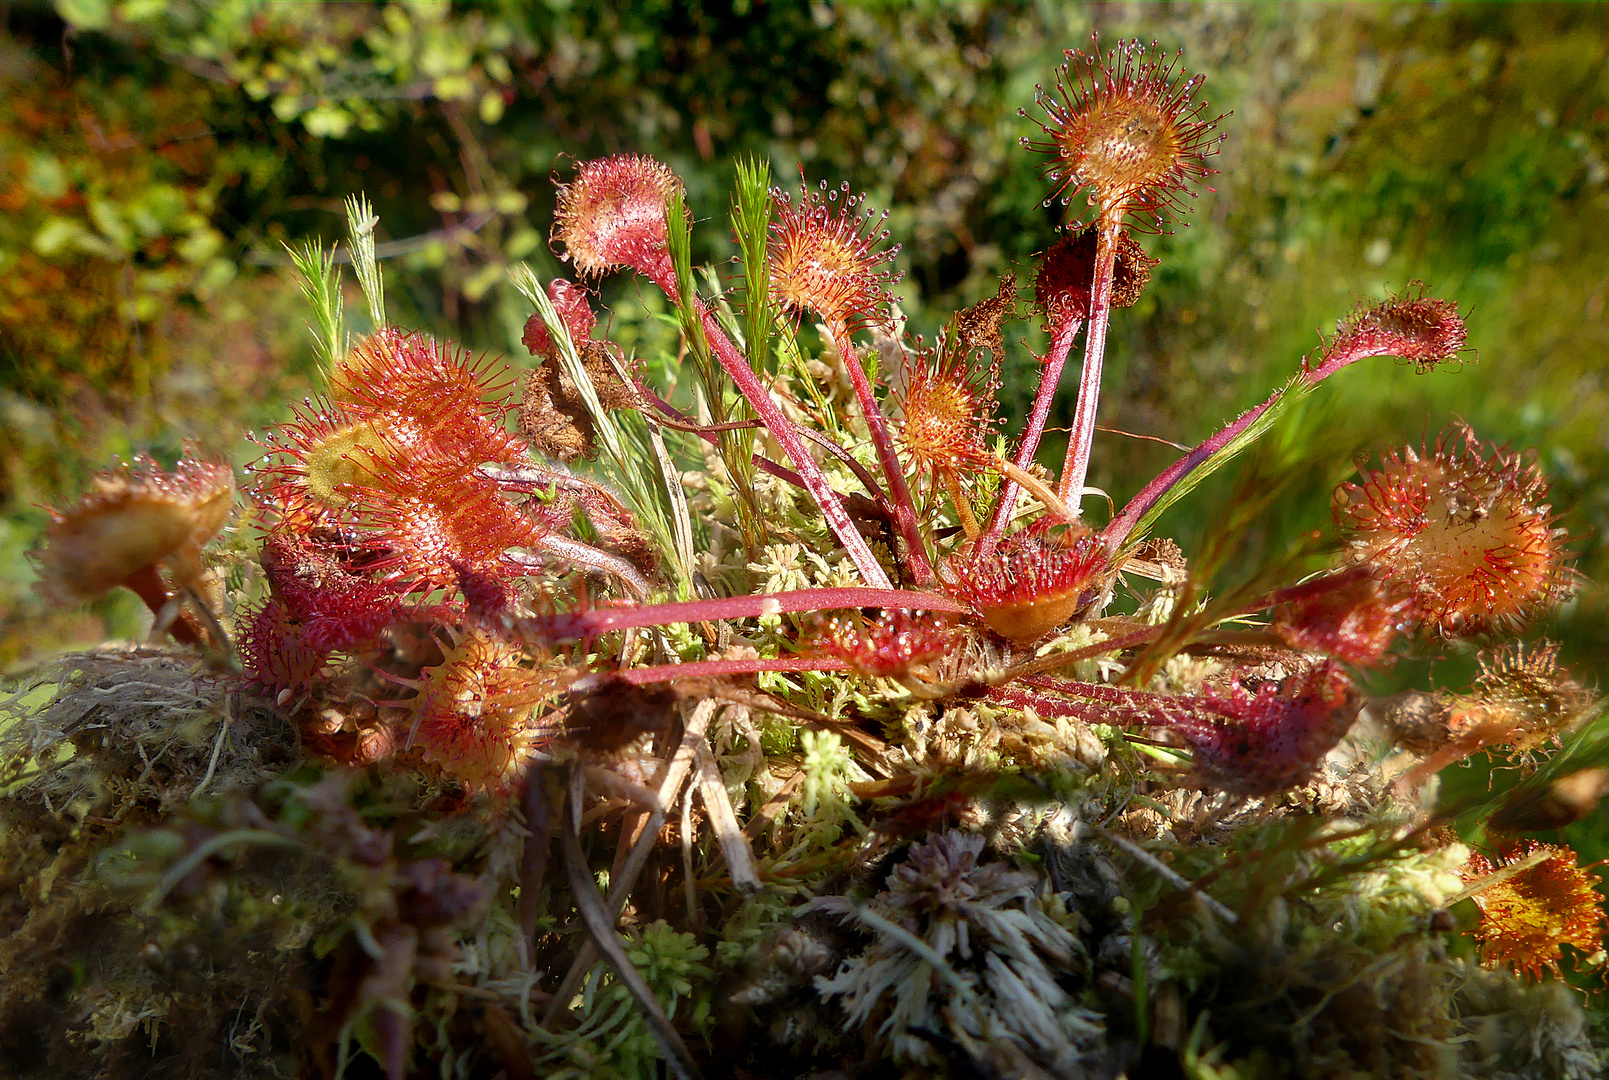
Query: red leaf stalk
x,y
1061,343
718,668
899,493
1076,466
782,429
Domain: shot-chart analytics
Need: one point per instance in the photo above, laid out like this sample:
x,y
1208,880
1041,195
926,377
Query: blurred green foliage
x,y
154,156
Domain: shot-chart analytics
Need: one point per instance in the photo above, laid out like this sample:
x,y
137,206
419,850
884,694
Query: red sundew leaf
x,y
431,393
890,645
1411,325
949,398
1274,739
1356,618
475,713
1527,916
1251,743
134,518
1462,529
274,651
331,608
1521,700
1126,128
613,214
437,530
824,259
946,406
1034,581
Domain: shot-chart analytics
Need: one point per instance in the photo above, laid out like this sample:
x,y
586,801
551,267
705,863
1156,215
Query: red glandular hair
x,y
395,398
411,374
893,645
392,459
949,395
947,405
457,403
1528,916
1418,328
824,259
1351,615
1462,529
613,214
1034,581
475,714
1126,128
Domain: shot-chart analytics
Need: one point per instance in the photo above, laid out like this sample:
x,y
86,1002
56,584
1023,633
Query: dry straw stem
x,y
601,930
723,822
639,834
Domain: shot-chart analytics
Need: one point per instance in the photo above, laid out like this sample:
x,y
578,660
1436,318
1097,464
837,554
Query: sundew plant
x,y
533,717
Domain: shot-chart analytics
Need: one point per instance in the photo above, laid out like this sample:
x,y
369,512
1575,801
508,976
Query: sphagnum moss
x,y
537,759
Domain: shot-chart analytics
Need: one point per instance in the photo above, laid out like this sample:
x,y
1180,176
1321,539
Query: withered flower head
x,y
613,214
554,415
134,518
1527,916
1035,581
1125,127
1066,273
824,259
1462,529
978,327
1411,325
